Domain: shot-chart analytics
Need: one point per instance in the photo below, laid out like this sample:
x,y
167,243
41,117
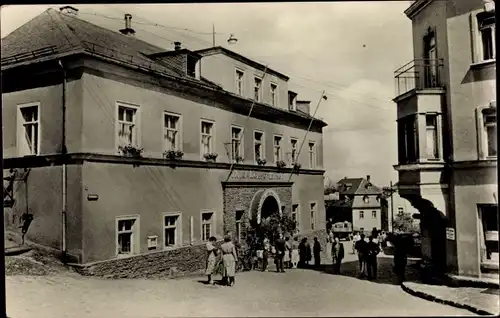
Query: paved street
x,y
295,293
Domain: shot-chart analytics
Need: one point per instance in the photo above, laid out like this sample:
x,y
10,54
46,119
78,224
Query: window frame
x,y
361,214
437,153
21,131
297,214
179,140
280,148
135,246
313,161
239,224
480,18
238,81
408,125
211,222
137,123
482,262
178,229
262,145
374,214
481,132
212,143
241,143
313,214
273,94
293,158
259,91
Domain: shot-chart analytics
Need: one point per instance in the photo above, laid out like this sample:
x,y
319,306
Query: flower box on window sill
x,y
210,157
297,166
261,162
173,154
131,151
238,159
280,164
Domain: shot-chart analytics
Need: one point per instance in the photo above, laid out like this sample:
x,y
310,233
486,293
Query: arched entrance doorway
x,y
269,207
265,204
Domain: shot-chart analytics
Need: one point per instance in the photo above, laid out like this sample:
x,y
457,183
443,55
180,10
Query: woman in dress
x,y
329,242
229,258
211,259
295,252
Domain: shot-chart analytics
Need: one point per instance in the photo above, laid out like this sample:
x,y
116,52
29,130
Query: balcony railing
x,y
419,74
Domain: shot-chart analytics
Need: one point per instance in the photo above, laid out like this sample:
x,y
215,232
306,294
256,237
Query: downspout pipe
x,y
64,168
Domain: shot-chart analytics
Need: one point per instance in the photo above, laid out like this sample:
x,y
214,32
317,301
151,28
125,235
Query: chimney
x,y
177,45
368,178
69,10
128,25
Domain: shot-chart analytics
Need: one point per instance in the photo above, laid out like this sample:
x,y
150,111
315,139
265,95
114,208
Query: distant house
x,y
360,202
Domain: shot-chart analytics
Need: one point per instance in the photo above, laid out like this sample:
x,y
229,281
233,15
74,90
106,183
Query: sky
x,y
348,49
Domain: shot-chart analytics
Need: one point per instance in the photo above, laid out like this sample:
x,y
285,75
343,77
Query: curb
x,y
471,282
435,299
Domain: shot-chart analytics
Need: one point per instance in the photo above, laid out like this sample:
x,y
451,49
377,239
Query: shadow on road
x,y
385,273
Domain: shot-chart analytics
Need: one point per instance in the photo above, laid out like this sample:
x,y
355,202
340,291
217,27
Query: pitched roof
x,y
357,186
244,59
54,33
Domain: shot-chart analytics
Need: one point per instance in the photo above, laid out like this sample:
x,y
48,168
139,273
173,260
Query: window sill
x,y
483,63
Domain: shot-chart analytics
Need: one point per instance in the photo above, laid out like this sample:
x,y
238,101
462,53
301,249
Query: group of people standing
x,y
367,250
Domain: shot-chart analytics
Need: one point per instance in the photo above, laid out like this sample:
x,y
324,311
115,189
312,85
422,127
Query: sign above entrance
x,y
450,233
249,175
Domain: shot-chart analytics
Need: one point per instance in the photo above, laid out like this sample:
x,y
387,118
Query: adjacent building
x,y
118,147
360,202
447,133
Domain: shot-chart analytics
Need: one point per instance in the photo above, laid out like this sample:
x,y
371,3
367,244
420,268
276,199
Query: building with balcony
x,y
446,112
117,147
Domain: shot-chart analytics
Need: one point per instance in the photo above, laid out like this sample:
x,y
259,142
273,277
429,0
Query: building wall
x,y
221,69
470,86
151,191
41,196
368,222
50,117
472,187
100,96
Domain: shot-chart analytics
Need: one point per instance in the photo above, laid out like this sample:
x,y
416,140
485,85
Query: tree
x,y
404,222
275,224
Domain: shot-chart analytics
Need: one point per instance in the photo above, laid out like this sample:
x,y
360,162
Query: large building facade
x,y
446,106
80,101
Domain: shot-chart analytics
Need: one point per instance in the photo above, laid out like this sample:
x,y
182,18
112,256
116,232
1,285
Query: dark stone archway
x,y
434,222
269,207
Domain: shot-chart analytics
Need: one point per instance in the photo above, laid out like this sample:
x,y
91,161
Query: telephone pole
x,y
391,218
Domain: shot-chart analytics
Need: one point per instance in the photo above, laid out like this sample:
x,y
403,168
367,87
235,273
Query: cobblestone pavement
x,y
298,292
478,299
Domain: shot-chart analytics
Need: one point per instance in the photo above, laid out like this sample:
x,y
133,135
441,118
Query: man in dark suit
x,y
362,248
280,253
371,258
337,254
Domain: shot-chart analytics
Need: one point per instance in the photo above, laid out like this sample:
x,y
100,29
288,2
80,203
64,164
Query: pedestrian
x,y
329,224
400,258
280,245
308,253
338,255
288,253
265,255
229,258
295,252
355,239
317,253
211,259
371,259
303,253
329,242
362,248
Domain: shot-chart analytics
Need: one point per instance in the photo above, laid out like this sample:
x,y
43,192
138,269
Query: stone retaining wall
x,y
172,263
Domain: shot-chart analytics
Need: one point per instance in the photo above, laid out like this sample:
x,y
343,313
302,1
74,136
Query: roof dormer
x,y
183,61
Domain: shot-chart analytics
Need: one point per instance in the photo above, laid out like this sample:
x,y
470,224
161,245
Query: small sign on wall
x,y
450,233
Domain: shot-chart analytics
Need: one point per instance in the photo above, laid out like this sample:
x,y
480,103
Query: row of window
x,y
127,229
257,88
128,134
362,214
409,151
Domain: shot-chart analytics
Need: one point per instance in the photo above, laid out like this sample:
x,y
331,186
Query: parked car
x,y
342,230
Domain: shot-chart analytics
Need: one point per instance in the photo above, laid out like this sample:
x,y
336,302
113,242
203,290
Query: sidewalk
x,y
482,301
